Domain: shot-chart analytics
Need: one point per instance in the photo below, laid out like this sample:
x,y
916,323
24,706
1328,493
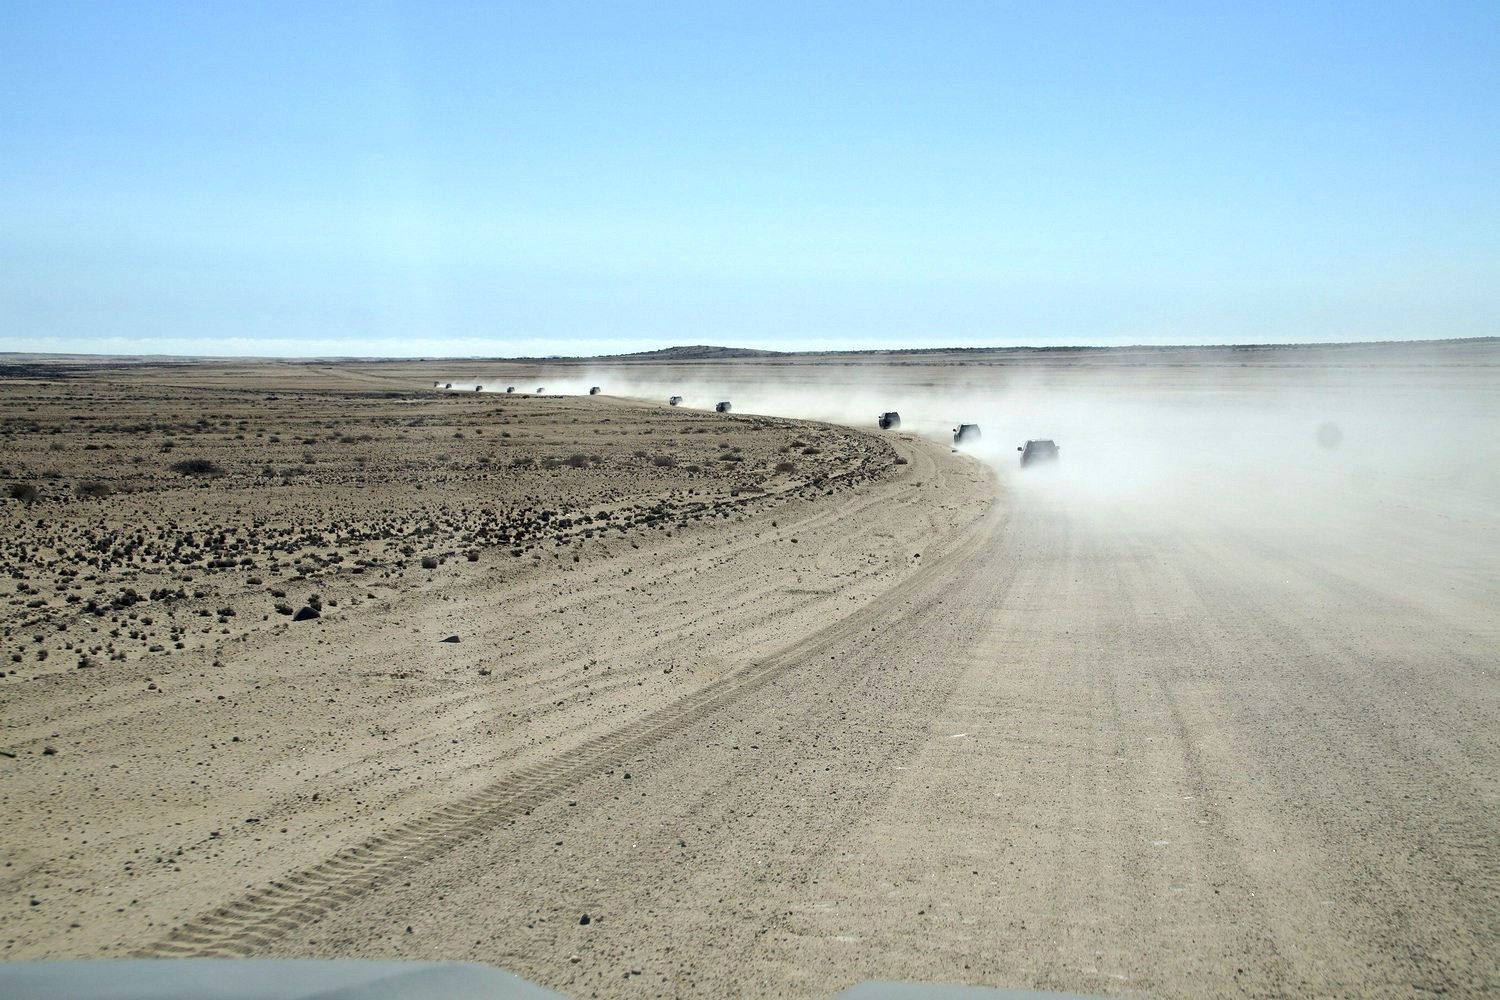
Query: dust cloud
x,y
1269,442
1322,454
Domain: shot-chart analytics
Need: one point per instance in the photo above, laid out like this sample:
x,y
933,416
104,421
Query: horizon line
x,y
745,353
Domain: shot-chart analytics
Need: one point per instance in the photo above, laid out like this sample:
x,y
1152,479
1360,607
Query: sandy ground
x,y
1214,717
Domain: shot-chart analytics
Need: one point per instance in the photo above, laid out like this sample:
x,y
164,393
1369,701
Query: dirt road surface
x,y
1070,756
959,724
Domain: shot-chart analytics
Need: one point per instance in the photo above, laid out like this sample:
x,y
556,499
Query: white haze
x,y
1333,458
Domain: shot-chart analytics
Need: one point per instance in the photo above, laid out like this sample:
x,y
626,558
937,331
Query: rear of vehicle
x,y
1036,452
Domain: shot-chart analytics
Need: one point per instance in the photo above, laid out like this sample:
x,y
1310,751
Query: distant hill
x,y
697,352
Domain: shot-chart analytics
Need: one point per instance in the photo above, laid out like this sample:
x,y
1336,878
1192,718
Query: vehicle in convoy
x,y
593,390
966,434
540,390
1038,451
479,388
722,407
447,385
674,400
510,388
889,421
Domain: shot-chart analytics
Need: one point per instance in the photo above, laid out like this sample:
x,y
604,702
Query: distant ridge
x,y
25,363
697,352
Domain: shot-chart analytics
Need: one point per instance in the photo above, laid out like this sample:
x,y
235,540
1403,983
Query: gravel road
x,y
1087,751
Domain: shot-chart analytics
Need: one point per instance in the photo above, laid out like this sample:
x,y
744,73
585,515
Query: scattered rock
x,y
306,614
451,638
584,920
48,751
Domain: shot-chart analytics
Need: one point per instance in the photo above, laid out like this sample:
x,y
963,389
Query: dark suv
x,y
1038,451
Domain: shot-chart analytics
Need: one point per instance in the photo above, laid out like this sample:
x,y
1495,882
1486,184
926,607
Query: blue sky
x,y
569,178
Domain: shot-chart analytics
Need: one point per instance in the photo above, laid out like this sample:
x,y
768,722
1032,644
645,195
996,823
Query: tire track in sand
x,y
248,924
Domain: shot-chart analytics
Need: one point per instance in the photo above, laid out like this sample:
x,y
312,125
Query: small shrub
x,y
24,492
198,467
93,490
664,461
787,467
429,562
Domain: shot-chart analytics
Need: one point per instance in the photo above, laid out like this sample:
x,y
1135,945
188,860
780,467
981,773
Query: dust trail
x,y
1334,453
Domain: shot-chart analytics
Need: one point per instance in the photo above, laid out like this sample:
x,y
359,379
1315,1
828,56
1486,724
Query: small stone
x,y
306,614
451,638
48,751
584,921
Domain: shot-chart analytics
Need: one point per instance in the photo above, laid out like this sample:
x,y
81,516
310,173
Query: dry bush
x,y
198,467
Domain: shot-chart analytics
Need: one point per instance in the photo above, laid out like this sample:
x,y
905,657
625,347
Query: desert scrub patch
x,y
92,490
577,460
201,467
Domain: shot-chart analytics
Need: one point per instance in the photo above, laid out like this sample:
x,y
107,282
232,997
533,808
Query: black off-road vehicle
x,y
1038,451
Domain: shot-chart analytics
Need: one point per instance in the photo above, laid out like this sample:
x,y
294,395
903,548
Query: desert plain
x,y
376,659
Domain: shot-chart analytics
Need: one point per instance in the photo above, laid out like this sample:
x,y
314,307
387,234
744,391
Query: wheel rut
x,y
247,924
